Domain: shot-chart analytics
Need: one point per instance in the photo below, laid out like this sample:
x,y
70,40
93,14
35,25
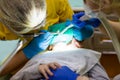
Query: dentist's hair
x,y
22,16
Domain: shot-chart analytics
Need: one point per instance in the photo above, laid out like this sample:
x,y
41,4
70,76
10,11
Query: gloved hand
x,y
38,44
92,21
63,73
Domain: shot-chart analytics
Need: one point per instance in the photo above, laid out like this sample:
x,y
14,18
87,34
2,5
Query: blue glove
x,y
63,73
76,22
82,29
92,21
38,44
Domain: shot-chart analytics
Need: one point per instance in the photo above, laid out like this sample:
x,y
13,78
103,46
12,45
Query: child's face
x,y
61,46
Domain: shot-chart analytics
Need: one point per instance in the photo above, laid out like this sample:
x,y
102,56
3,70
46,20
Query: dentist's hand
x,y
38,44
80,24
82,29
92,21
76,22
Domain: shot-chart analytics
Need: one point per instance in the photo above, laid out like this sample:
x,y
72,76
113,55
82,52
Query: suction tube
x,y
111,34
110,31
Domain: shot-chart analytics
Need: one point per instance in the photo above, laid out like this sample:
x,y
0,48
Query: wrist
x,y
30,52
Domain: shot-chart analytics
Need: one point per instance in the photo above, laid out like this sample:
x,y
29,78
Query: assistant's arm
x,y
115,25
15,64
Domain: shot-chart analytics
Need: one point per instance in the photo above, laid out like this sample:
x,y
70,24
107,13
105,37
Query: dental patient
x,y
65,58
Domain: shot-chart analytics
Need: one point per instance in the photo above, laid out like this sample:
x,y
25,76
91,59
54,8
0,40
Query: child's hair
x,y
22,16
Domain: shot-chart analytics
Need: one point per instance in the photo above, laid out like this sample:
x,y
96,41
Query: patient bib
x,y
79,60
